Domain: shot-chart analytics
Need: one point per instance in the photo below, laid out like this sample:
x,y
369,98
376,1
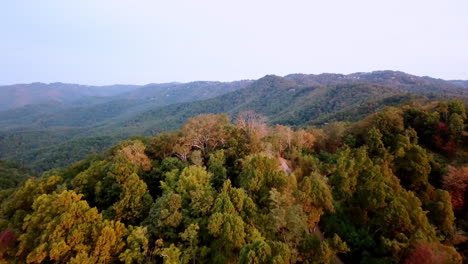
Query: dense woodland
x,y
390,188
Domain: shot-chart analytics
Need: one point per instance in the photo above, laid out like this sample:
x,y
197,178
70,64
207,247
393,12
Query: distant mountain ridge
x,y
17,95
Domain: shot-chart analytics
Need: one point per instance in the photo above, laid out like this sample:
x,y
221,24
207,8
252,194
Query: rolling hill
x,y
17,95
36,138
93,110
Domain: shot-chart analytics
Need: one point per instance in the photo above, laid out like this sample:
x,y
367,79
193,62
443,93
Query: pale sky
x,y
145,41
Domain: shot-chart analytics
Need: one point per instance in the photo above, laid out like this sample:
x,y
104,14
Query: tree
x,y
374,142
193,179
303,140
64,228
268,252
190,237
413,170
161,146
431,253
229,231
226,223
134,200
456,183
7,242
170,255
315,250
206,132
182,151
136,246
456,126
165,216
333,135
134,151
282,138
253,124
19,203
390,123
288,221
456,106
196,158
315,196
259,175
345,176
441,213
216,167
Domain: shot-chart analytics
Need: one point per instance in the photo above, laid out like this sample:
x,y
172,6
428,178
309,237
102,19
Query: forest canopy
x,y
391,188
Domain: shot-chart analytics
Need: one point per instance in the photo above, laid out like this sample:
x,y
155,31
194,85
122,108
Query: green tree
x,y
134,200
227,225
259,175
315,250
315,196
170,255
441,213
389,122
165,216
194,186
216,167
136,246
413,170
373,140
268,252
190,237
344,178
287,221
456,126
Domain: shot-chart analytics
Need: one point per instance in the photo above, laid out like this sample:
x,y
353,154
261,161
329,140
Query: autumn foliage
x,y
391,188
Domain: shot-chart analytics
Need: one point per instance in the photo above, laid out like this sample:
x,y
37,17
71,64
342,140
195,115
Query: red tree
x,y
456,183
7,239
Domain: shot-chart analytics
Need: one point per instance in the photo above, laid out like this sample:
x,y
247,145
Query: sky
x,y
100,42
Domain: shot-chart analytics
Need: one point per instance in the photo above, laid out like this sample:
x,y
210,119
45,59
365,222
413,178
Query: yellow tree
x,y
63,228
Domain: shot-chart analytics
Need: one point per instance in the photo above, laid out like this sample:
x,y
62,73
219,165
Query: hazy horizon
x,y
250,79
127,42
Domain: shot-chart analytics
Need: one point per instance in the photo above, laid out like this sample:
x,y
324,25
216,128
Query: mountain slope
x,y
462,83
103,109
298,98
295,99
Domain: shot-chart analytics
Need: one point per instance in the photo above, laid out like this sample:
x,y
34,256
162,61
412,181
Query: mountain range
x,y
50,125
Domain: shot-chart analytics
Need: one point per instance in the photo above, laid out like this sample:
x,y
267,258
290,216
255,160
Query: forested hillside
x,y
85,110
11,174
389,188
49,135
